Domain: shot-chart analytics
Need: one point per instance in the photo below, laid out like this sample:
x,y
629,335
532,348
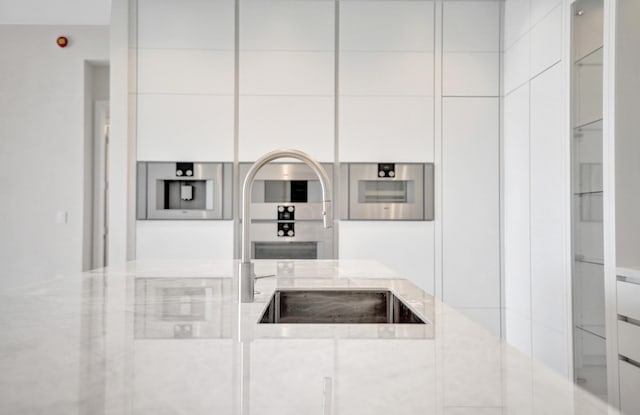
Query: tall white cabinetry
x,y
535,171
386,81
286,77
470,152
385,114
183,90
185,80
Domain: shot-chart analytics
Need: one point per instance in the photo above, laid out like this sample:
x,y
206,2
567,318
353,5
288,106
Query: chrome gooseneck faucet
x,y
246,266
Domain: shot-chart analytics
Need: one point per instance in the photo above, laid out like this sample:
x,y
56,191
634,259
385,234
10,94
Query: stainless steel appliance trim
x,y
411,210
141,197
309,225
163,171
344,191
306,231
287,172
429,191
227,191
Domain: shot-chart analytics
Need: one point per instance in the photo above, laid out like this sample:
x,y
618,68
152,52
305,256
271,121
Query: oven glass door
x,y
380,191
397,198
285,250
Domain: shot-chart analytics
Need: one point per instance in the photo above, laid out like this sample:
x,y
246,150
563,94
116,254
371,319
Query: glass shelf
x,y
594,192
593,125
598,331
594,261
595,57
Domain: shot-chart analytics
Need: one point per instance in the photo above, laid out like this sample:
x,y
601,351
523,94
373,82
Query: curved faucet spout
x,y
246,267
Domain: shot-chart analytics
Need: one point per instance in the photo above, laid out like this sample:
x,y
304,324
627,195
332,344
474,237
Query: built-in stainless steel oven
x,y
387,191
184,190
286,212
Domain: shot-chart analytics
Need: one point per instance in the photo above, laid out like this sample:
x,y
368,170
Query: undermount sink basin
x,y
338,306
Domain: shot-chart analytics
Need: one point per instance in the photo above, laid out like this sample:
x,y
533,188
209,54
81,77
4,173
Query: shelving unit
x,y
587,202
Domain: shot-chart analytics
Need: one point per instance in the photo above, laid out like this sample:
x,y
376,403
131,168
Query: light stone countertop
x,y
169,337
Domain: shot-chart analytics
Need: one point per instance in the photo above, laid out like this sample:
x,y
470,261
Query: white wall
x,y
536,171
60,12
42,148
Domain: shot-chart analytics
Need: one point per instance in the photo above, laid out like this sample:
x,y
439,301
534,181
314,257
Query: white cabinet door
x,y
386,84
407,247
470,207
471,46
288,375
549,187
176,382
167,239
185,80
287,80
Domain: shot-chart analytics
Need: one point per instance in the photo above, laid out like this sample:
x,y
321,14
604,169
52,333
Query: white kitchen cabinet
x,y
185,127
470,204
380,73
181,358
295,369
629,340
278,73
185,80
549,227
471,74
415,385
403,25
471,26
629,381
284,25
301,122
184,239
406,247
546,49
517,18
517,245
398,129
286,82
541,8
471,48
185,71
550,346
386,81
186,24
517,63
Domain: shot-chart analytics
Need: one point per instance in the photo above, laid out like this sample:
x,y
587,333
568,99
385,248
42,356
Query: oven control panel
x,y
286,229
286,212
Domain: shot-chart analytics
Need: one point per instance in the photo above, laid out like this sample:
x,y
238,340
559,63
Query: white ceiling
x,y
55,12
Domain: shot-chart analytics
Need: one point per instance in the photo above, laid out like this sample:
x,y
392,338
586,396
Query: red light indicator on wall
x,y
62,41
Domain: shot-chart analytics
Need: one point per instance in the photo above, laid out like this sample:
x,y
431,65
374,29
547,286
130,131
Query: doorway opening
x,y
96,166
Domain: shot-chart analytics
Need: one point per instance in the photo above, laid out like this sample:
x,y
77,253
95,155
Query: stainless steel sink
x,y
338,306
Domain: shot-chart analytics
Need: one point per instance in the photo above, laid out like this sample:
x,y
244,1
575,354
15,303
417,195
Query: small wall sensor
x,y
62,41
